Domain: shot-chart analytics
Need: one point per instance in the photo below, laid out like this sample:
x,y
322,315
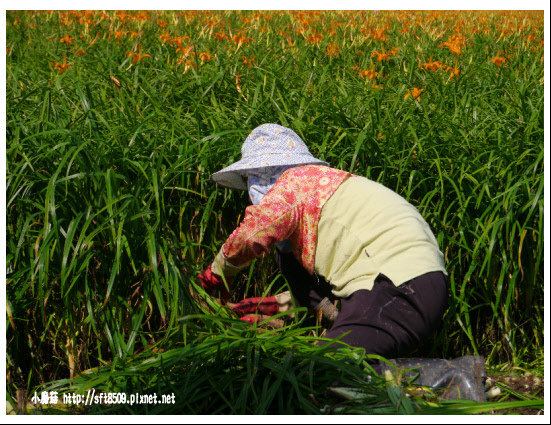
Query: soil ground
x,y
527,385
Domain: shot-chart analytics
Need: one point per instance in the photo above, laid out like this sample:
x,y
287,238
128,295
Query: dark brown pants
x,y
390,321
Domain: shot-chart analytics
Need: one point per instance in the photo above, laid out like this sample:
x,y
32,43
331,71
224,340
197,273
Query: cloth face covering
x,y
260,181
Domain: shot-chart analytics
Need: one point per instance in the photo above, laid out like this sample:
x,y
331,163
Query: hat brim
x,y
232,176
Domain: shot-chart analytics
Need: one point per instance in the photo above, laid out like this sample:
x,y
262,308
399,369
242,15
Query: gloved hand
x,y
264,306
212,282
267,306
252,319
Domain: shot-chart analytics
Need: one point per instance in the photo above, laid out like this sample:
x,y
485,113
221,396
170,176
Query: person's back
x,y
366,229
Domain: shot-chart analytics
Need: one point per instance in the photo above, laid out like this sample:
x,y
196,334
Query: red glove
x,y
211,282
262,305
251,319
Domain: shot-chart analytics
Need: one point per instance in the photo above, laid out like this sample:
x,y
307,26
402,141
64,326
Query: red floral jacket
x,y
290,210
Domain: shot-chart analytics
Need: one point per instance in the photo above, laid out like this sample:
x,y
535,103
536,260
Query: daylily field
x,y
116,119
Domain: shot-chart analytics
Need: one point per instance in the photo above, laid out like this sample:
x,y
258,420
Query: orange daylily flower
x,y
314,38
188,64
249,62
240,39
370,75
454,48
165,37
80,52
186,51
66,40
332,31
65,19
452,71
178,40
394,51
142,16
86,22
220,36
104,16
261,16
433,66
379,35
380,56
498,60
119,34
332,50
62,67
211,24
122,15
205,57
134,34
136,57
415,93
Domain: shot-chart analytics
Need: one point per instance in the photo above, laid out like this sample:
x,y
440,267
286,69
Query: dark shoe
x,y
463,377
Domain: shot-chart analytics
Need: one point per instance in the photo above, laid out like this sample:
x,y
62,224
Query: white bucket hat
x,y
269,145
